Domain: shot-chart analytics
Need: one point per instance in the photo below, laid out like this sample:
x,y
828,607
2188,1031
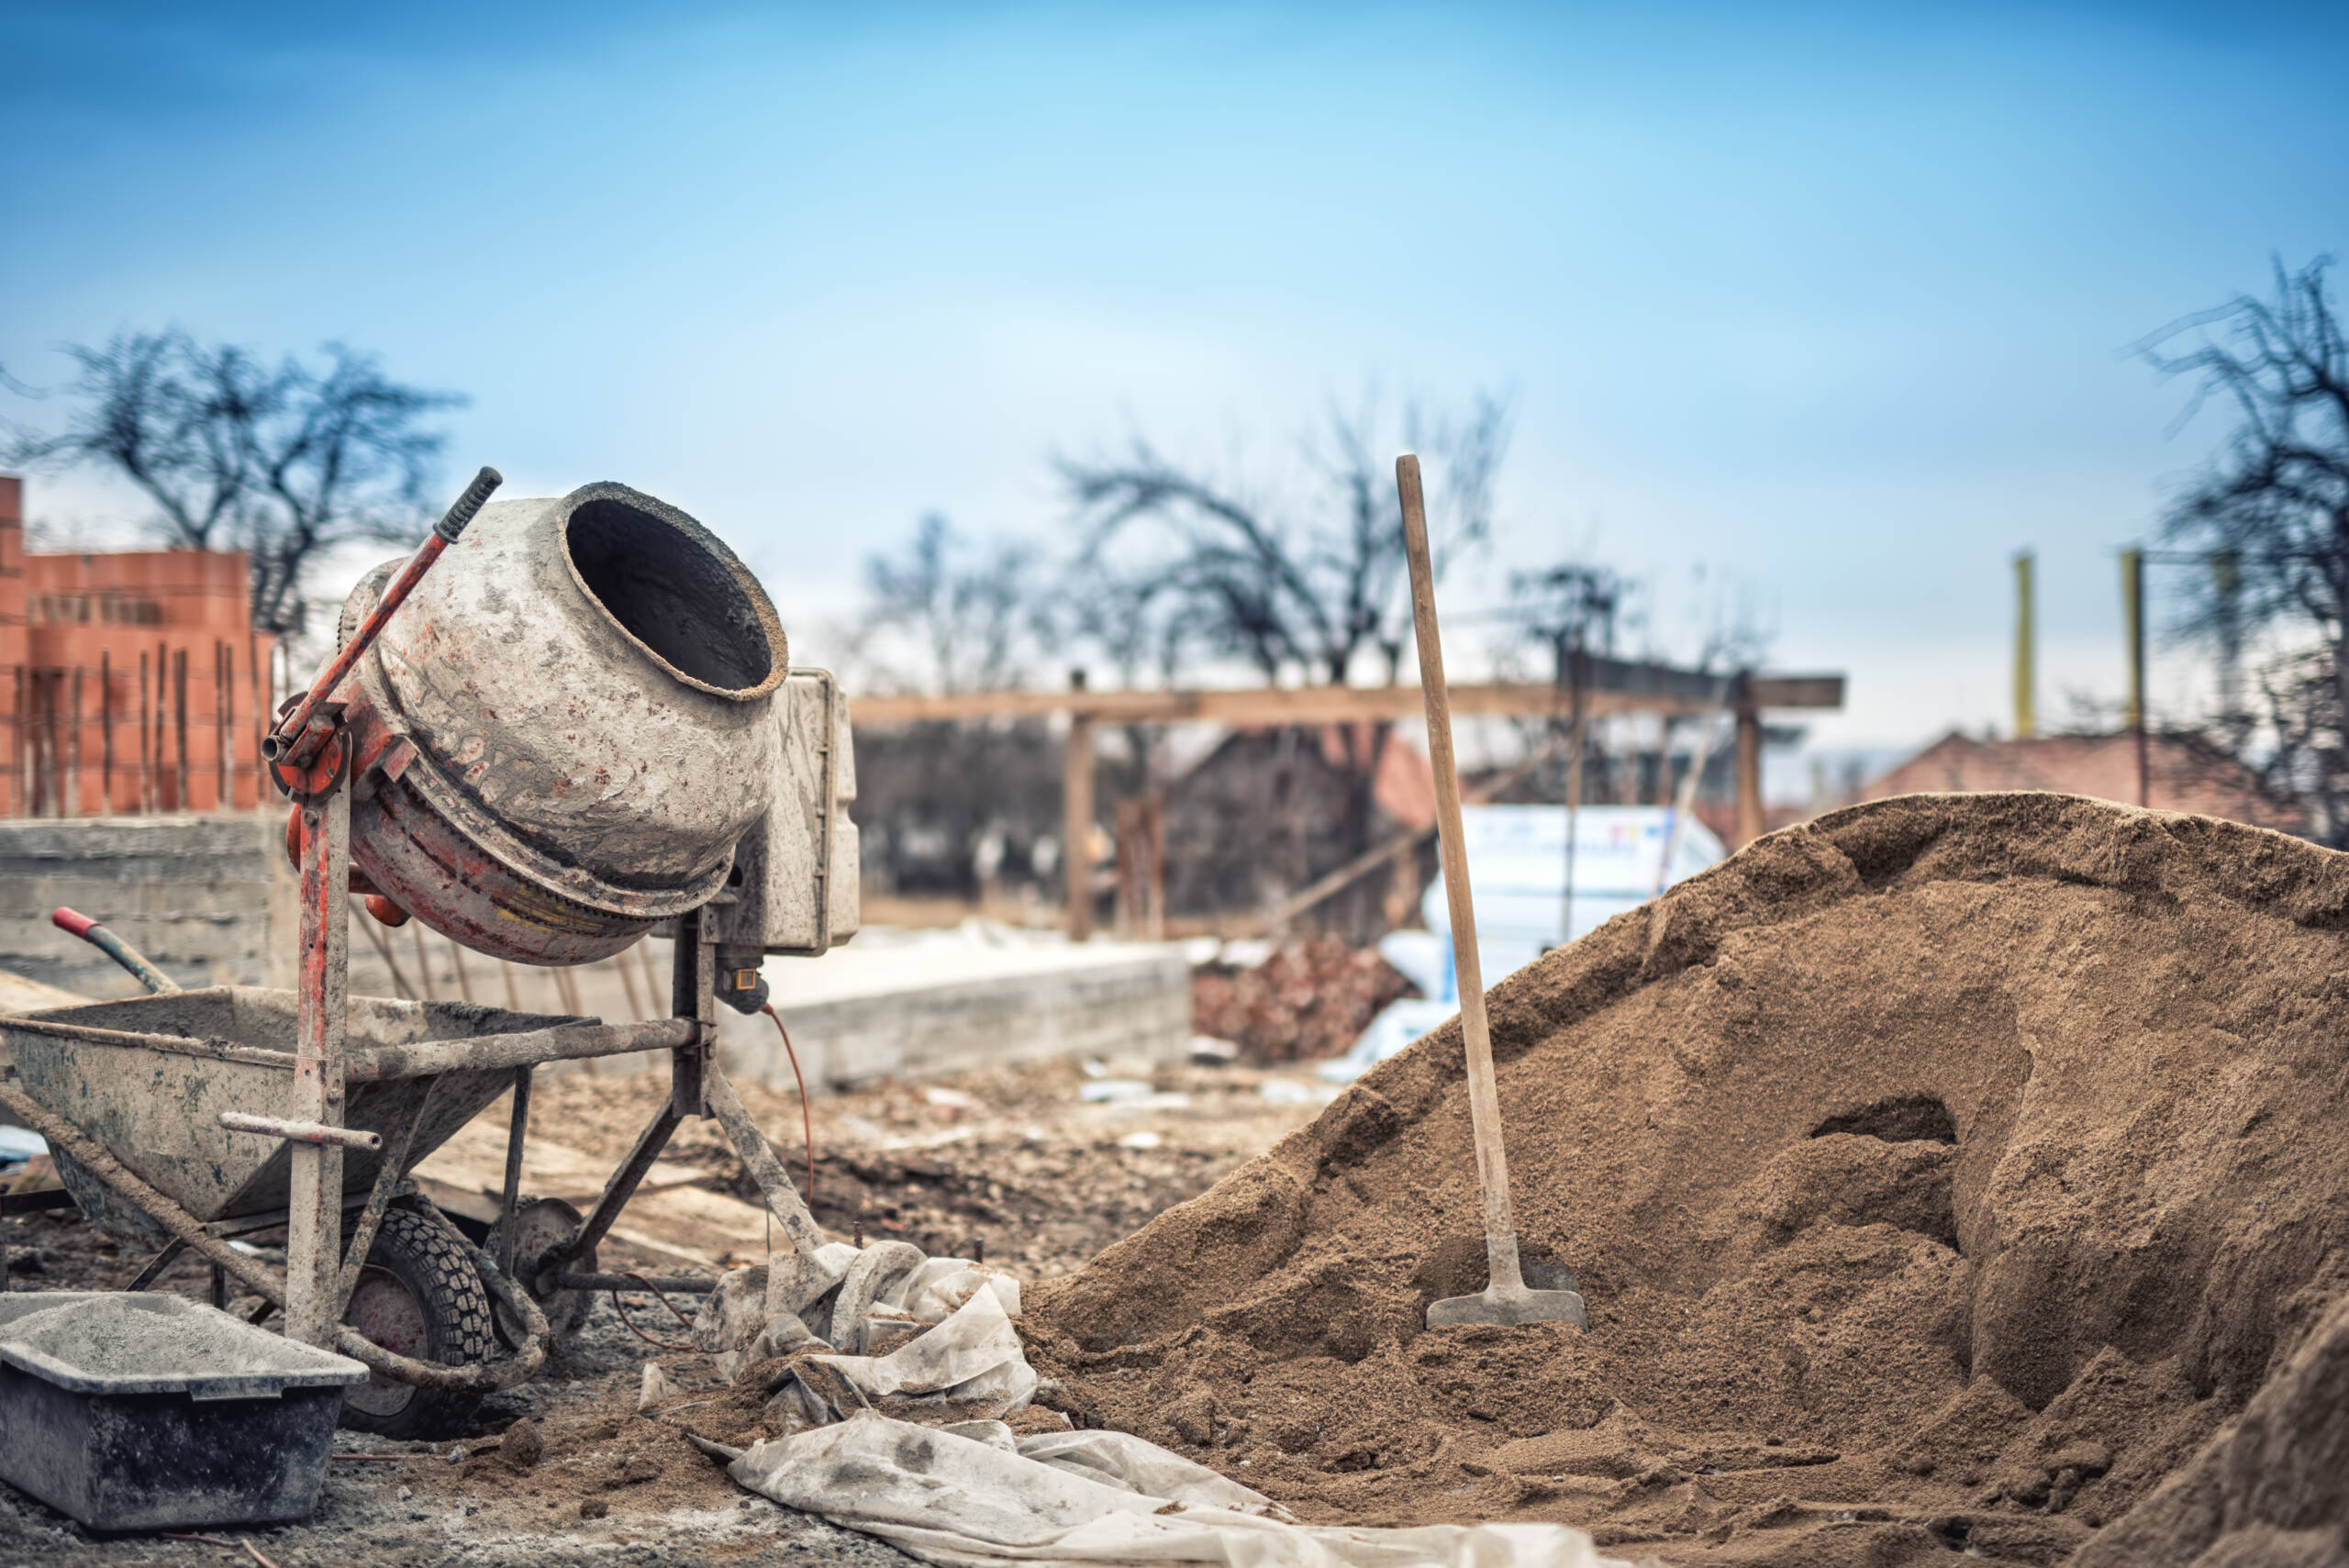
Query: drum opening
x,y
690,607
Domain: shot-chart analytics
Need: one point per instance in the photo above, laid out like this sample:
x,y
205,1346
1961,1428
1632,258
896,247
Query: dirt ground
x,y
1013,1162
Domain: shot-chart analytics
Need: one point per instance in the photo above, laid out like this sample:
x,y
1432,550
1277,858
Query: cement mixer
x,y
559,725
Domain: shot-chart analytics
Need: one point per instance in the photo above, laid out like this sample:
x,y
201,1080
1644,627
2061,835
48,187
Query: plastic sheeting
x,y
970,1366
1090,1498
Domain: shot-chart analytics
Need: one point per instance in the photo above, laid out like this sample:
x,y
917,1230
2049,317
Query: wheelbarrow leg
x,y
516,1130
157,1264
389,1176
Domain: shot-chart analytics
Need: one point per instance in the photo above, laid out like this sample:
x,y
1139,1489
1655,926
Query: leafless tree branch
x,y
281,462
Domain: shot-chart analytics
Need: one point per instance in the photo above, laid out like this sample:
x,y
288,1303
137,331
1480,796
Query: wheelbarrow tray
x,y
158,1110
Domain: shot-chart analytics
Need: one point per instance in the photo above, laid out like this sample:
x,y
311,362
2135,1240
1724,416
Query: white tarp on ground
x,y
962,1489
970,1364
1092,1498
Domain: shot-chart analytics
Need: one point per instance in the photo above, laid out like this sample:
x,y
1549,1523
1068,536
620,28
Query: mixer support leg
x,y
693,981
314,1225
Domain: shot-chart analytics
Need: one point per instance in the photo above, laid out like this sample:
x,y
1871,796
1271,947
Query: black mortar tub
x,y
138,1412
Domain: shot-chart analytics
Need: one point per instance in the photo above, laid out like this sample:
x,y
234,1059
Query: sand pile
x,y
1943,1175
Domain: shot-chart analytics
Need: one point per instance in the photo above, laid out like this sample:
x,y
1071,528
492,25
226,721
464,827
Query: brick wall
x,y
131,681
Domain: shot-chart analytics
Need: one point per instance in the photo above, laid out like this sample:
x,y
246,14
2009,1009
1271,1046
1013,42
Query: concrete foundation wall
x,y
195,894
899,1017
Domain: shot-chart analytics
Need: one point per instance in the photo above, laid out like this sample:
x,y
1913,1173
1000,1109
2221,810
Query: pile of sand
x,y
1944,1173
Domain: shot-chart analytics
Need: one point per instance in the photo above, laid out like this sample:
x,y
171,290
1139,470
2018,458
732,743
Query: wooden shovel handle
x,y
1484,1099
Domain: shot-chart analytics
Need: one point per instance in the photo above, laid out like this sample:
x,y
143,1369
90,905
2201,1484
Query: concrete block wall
x,y
200,895
211,900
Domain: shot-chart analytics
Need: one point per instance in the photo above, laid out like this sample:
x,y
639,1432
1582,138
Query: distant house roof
x,y
2181,775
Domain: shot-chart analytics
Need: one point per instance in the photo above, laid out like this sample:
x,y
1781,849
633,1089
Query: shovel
x,y
1506,1299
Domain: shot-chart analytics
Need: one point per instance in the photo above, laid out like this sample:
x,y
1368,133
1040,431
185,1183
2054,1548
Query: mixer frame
x,y
311,755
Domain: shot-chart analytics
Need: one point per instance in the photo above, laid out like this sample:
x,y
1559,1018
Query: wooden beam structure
x,y
1609,686
1341,705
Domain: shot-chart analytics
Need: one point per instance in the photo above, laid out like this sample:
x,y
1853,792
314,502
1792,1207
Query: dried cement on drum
x,y
1942,1174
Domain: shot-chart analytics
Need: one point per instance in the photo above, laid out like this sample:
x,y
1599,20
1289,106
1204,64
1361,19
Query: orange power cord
x,y
807,1122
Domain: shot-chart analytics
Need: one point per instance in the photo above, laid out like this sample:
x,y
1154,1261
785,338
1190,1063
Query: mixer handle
x,y
302,733
460,511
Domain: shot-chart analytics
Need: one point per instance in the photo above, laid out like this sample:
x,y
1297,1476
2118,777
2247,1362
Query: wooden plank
x,y
1797,691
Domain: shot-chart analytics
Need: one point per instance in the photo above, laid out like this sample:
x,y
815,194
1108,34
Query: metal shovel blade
x,y
1509,1307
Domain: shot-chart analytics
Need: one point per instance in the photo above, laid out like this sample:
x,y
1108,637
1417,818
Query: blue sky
x,y
1831,300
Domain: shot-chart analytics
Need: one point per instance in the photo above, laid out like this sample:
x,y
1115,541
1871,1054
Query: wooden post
x,y
53,722
1750,822
146,760
260,716
74,751
179,723
1076,819
159,717
1126,914
2133,620
223,697
2026,651
1154,889
106,731
1570,674
17,722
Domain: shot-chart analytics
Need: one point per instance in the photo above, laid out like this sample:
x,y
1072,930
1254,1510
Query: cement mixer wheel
x,y
418,1295
543,1227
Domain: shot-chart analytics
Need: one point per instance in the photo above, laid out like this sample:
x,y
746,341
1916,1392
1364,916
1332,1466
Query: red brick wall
x,y
129,680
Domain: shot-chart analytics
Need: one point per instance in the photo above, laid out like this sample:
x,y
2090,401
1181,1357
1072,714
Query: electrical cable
x,y
807,1122
621,1308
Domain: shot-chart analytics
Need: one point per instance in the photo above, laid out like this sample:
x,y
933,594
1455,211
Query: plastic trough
x,y
134,1412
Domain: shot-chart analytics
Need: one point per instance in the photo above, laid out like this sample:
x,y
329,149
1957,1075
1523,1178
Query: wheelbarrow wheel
x,y
418,1295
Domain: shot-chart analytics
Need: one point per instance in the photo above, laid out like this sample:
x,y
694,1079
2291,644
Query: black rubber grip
x,y
462,511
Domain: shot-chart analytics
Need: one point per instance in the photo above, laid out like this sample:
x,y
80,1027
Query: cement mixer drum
x,y
571,727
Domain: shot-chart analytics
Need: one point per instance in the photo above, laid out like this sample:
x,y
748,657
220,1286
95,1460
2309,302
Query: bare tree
x,y
946,615
2270,517
1308,583
281,462
1306,578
